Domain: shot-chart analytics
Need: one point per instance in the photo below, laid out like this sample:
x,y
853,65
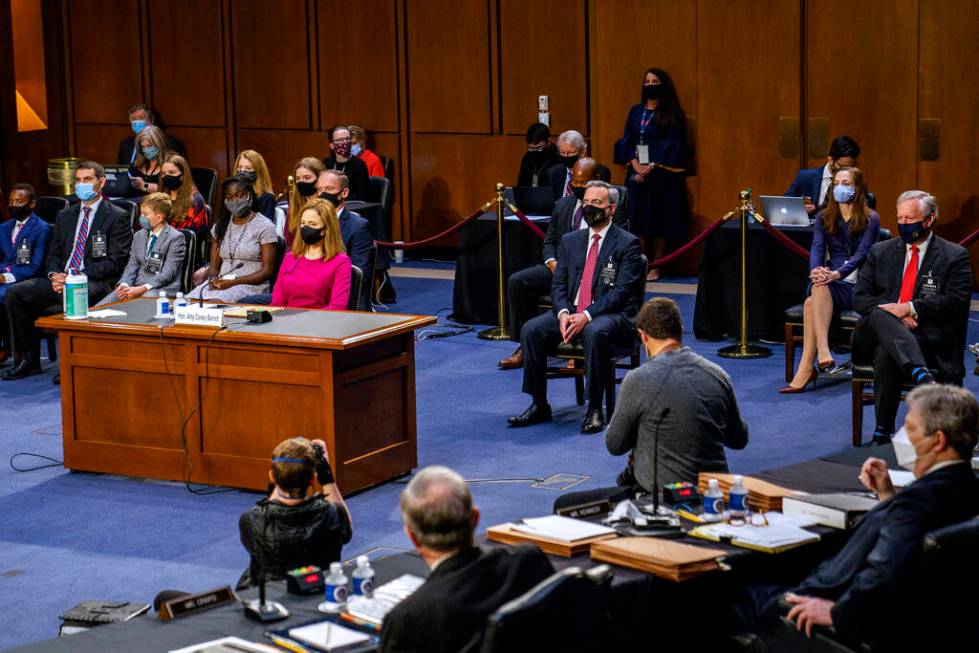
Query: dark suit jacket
x,y
357,239
621,250
109,220
128,144
873,578
943,317
447,614
557,177
807,183
36,233
562,219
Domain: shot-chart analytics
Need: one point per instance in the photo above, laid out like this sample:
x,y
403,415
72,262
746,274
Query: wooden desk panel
x,y
134,392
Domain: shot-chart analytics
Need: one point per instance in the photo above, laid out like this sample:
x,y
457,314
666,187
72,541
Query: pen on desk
x,y
288,644
346,616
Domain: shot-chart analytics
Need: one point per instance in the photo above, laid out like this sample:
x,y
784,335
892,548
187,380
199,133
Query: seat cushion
x,y
845,318
862,372
793,314
546,301
570,350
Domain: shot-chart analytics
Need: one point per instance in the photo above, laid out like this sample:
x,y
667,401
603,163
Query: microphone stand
x,y
656,488
260,608
200,299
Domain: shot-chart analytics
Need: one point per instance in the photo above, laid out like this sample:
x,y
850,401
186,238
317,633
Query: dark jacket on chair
x,y
614,293
109,221
873,579
447,614
942,314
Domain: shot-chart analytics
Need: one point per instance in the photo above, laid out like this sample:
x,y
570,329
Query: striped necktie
x,y
78,253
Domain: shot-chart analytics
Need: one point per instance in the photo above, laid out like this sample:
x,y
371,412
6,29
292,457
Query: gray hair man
x,y
913,296
467,583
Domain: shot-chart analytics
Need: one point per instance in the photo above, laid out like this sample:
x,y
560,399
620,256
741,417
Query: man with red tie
x,y
595,292
93,237
913,294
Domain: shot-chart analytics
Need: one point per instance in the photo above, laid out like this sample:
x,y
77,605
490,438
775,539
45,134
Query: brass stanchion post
x,y
743,349
500,332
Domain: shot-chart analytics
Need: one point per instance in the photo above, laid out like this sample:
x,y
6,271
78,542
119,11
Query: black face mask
x,y
310,236
248,175
914,231
652,92
568,161
172,182
19,213
594,216
332,198
306,188
578,192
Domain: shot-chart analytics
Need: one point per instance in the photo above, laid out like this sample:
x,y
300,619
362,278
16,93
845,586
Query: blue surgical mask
x,y
144,222
138,125
85,191
151,151
356,149
844,194
913,232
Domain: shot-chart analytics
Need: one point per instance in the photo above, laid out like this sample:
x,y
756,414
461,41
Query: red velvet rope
x,y
528,222
786,242
431,239
971,238
699,238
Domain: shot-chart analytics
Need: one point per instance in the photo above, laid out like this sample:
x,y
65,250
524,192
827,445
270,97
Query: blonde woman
x,y
189,208
306,171
316,272
251,166
148,165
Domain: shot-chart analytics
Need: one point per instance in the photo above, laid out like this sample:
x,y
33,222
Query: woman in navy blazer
x,y
843,234
656,133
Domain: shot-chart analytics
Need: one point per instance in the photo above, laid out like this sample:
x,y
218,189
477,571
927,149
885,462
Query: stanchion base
x,y
745,351
496,333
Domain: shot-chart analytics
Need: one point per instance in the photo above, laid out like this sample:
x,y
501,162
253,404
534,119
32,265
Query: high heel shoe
x,y
826,366
791,389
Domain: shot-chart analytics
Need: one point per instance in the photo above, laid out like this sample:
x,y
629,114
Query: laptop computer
x,y
784,211
534,200
118,183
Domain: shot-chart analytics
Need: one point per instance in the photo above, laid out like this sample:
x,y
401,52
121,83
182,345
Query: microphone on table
x,y
656,487
261,609
200,302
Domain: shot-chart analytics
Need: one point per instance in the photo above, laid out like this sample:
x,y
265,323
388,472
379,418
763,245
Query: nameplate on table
x,y
194,603
199,315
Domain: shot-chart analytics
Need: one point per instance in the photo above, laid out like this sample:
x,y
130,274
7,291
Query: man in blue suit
x,y
811,184
23,248
595,294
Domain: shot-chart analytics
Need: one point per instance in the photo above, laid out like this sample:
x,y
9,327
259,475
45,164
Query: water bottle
x,y
76,295
162,305
336,590
180,301
713,502
737,498
399,254
363,578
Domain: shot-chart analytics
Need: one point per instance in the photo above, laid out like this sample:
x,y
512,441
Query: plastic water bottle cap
x,y
738,478
712,484
163,294
363,561
335,568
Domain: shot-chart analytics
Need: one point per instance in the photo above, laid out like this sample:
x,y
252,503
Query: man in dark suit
x,y
23,248
358,238
93,237
141,115
571,146
913,295
870,590
812,184
526,287
595,289
467,583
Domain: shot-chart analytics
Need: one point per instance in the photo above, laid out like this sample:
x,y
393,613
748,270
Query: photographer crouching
x,y
294,525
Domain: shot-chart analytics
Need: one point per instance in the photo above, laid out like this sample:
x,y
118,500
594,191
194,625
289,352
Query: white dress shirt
x,y
601,239
922,248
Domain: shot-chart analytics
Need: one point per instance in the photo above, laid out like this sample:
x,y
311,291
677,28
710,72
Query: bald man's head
x,y
584,170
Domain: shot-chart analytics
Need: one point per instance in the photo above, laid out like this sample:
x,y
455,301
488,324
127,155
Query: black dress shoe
x,y
21,370
536,414
594,421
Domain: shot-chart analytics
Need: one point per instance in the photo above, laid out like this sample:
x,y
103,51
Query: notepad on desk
x,y
329,636
664,558
773,538
554,534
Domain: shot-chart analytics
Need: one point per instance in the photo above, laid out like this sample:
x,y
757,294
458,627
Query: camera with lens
x,y
324,475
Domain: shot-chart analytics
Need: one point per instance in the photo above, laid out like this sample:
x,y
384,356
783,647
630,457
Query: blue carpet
x,y
65,537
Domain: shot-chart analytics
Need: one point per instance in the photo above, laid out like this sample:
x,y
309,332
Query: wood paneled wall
x,y
447,88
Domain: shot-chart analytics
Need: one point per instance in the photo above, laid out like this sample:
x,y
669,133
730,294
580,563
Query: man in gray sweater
x,y
683,396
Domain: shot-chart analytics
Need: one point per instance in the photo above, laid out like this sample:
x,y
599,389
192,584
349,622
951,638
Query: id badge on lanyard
x,y
642,150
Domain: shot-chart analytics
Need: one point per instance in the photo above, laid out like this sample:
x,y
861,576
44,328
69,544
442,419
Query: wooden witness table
x,y
134,389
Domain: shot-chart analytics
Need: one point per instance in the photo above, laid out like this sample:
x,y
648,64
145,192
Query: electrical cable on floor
x,y
54,462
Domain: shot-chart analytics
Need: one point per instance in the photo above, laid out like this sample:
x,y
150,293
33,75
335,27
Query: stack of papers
x,y
762,495
329,636
664,558
373,609
778,536
554,534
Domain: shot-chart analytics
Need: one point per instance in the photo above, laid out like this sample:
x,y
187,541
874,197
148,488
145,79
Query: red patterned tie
x,y
910,276
588,275
78,254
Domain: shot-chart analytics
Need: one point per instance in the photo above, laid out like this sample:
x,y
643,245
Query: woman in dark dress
x,y
655,136
843,234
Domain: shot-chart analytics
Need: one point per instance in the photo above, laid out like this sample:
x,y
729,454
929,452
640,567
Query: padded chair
x,y
47,207
862,393
622,214
187,272
840,329
280,254
566,612
206,180
132,208
356,289
575,353
378,190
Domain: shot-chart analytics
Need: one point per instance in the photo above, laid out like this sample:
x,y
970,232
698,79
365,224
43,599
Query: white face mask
x,y
906,453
